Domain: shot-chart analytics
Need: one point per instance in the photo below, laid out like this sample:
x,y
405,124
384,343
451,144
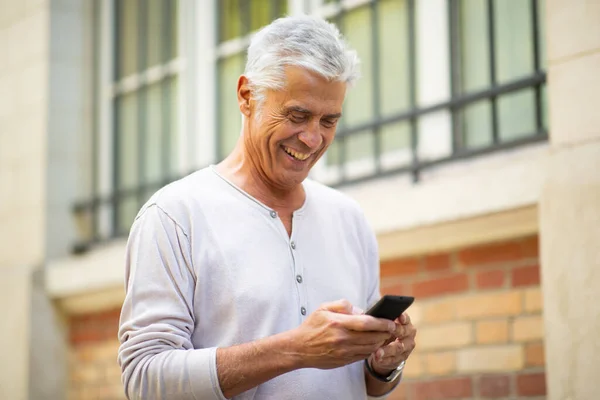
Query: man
x,y
247,280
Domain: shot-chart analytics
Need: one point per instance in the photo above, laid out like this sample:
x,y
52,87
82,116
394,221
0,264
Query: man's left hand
x,y
389,356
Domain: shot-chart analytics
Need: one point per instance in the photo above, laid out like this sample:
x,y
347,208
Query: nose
x,y
311,136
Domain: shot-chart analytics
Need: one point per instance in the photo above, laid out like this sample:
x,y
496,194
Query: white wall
x,y
492,183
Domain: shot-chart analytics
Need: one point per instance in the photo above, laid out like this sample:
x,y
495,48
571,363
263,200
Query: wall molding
x,y
465,232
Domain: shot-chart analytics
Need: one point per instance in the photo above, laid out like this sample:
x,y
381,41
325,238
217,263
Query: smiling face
x,y
292,128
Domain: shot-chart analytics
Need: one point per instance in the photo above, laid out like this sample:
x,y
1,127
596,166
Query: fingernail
x,y
403,318
380,354
392,327
357,310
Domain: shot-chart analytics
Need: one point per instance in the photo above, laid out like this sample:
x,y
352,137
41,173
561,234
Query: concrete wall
x,y
570,202
23,116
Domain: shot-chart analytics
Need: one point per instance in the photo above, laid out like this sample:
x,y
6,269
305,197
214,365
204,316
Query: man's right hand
x,y
334,336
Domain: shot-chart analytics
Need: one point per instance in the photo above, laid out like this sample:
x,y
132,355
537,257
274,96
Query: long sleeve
x,y
156,354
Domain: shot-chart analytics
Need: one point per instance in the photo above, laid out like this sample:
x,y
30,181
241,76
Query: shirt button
x,y
303,311
293,244
299,278
273,214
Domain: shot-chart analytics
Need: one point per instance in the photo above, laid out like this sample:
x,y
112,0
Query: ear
x,y
244,95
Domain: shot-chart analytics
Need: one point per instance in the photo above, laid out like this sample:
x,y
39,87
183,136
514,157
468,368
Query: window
x,y
441,79
379,31
145,93
237,20
499,45
137,153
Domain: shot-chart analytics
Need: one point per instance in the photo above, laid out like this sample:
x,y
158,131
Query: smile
x,y
297,155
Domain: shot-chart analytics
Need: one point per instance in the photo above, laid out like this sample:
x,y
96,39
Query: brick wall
x,y
93,370
478,312
479,317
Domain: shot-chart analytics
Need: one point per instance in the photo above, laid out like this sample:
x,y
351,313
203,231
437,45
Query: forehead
x,y
306,88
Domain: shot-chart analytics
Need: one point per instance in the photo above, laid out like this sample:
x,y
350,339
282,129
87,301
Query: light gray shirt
x,y
209,266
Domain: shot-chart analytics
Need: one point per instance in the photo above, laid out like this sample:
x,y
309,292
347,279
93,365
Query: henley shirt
x,y
209,266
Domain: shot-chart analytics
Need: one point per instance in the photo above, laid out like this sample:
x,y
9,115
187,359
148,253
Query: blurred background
x,y
472,142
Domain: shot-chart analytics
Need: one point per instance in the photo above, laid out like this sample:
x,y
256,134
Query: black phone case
x,y
390,307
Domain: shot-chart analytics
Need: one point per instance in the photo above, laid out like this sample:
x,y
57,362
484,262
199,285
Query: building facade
x,y
471,141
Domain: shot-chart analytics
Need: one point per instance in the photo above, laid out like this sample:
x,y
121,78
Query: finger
x,y
405,319
342,306
377,339
363,351
401,331
366,323
390,353
408,346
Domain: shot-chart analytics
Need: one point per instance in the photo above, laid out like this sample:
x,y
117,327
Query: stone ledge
x,y
90,282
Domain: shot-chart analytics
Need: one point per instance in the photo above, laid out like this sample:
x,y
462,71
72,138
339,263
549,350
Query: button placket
x,y
297,267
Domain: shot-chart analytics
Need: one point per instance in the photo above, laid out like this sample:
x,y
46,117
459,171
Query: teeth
x,y
296,155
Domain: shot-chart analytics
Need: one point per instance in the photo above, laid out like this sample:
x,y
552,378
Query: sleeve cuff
x,y
204,381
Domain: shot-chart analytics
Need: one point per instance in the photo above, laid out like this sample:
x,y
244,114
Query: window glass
x,y
513,40
474,46
358,106
153,138
127,37
155,32
360,146
394,79
395,136
230,69
476,122
230,20
172,125
127,140
516,115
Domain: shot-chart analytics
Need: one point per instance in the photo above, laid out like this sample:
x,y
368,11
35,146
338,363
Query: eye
x,y
297,117
329,122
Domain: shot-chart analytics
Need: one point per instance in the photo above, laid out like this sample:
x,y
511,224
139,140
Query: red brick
x,y
491,254
534,355
91,328
399,289
86,336
531,384
437,262
440,389
494,386
490,279
401,266
402,392
526,276
530,247
438,286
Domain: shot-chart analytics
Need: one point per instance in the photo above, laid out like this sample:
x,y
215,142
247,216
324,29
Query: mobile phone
x,y
390,307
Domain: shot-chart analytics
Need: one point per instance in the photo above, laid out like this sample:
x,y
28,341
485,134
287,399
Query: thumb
x,y
342,306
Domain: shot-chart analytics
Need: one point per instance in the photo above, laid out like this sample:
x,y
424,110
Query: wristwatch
x,y
392,376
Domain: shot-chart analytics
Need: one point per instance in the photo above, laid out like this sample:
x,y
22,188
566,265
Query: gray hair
x,y
303,41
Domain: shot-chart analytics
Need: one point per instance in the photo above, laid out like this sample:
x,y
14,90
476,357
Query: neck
x,y
242,171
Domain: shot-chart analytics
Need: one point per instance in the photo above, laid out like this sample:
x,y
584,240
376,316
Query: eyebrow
x,y
305,111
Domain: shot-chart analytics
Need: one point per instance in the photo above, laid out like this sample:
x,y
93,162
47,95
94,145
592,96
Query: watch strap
x,y
383,378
